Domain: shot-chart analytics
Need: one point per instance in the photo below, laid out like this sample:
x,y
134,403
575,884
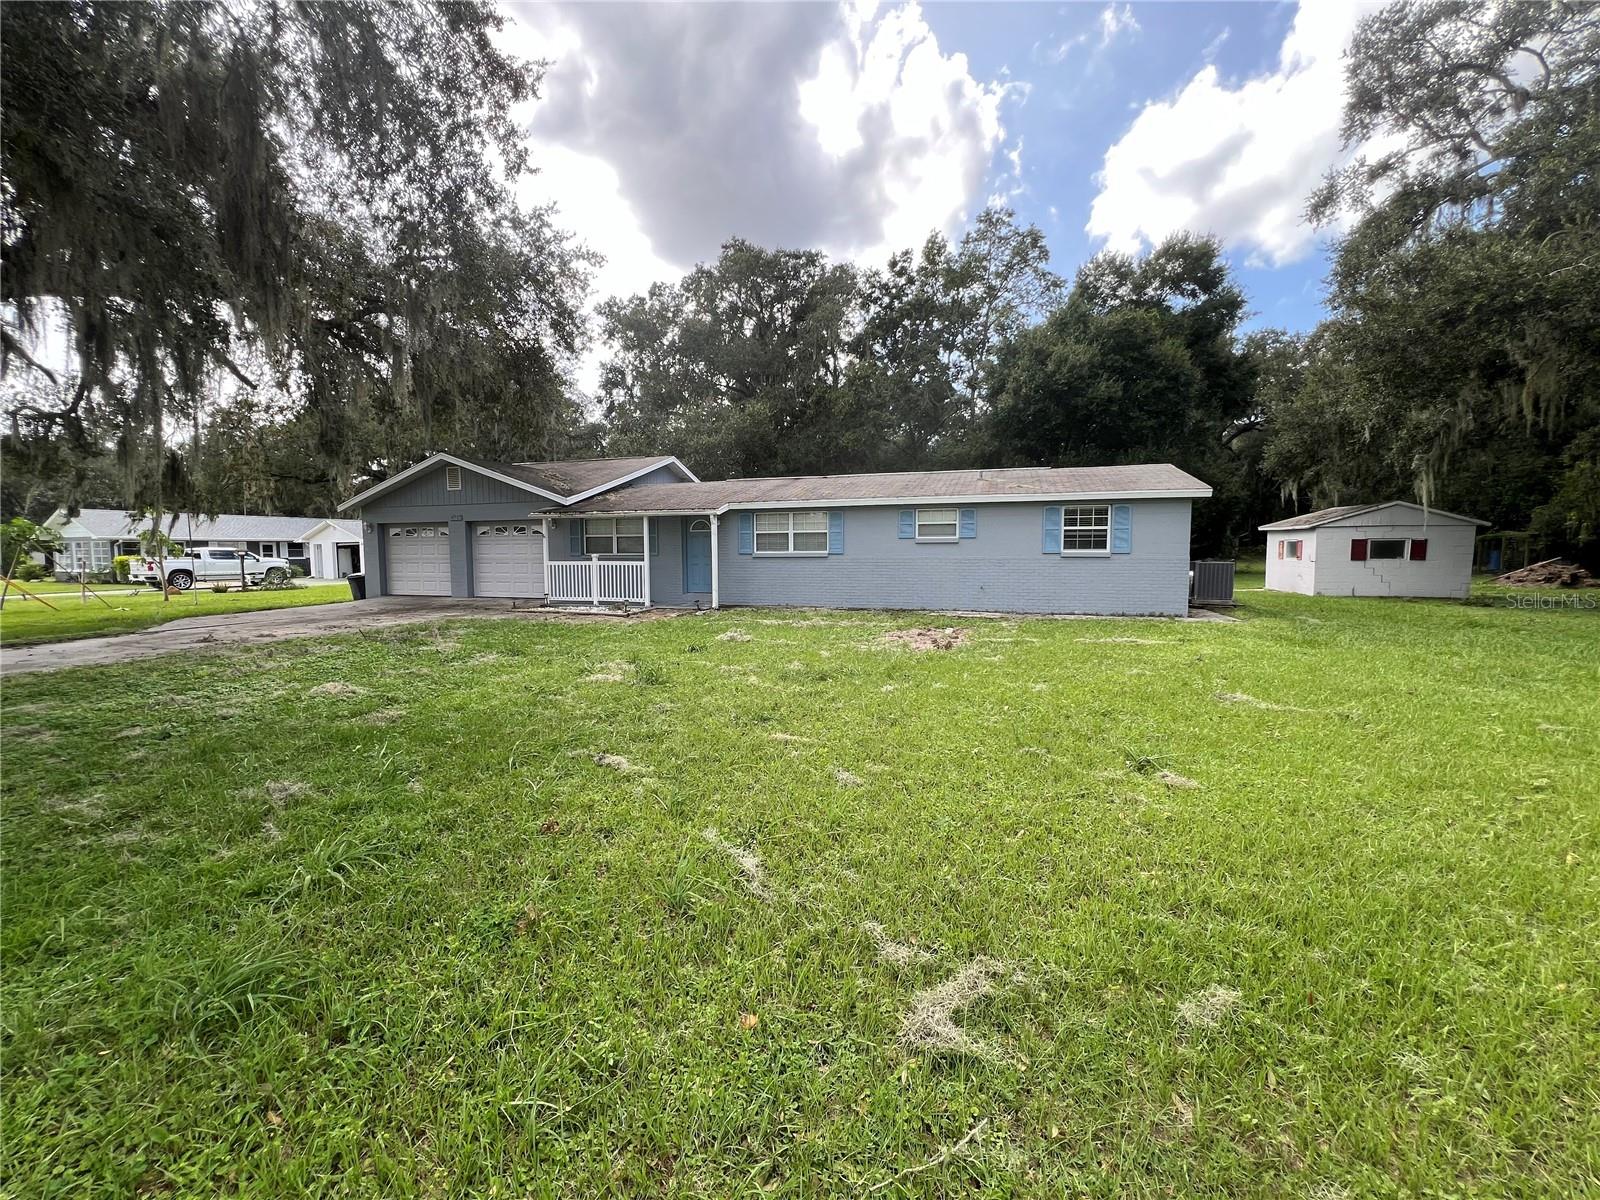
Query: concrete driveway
x,y
225,631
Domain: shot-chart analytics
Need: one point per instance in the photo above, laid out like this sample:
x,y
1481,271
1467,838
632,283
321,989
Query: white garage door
x,y
419,559
507,560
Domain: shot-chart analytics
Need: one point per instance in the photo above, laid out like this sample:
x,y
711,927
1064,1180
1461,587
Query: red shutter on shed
x,y
1280,547
1358,549
1419,549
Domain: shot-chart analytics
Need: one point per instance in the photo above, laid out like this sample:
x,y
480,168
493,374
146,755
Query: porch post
x,y
716,599
594,579
544,524
647,562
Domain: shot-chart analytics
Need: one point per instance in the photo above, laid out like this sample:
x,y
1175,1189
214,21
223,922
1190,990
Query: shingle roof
x,y
227,527
1327,516
1000,483
567,478
574,475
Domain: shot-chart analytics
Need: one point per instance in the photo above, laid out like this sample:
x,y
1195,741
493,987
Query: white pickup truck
x,y
211,564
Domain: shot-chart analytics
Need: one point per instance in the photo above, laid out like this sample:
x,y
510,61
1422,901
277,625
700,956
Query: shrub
x,y
122,567
28,571
221,589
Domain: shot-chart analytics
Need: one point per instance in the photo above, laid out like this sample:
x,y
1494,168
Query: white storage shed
x,y
1393,549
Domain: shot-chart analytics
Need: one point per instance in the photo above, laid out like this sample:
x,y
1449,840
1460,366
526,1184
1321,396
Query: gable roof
x,y
226,527
1149,480
562,482
350,530
1329,516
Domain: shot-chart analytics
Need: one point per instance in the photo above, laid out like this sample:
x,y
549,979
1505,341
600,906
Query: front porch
x,y
618,560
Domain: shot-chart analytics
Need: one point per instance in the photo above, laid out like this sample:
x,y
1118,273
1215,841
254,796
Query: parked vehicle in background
x,y
212,564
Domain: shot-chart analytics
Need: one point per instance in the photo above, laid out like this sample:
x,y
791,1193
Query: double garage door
x,y
507,560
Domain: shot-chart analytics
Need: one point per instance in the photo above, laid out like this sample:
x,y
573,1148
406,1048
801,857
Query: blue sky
x,y
859,127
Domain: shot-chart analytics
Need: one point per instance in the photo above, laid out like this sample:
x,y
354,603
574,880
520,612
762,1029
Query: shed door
x,y
419,559
507,560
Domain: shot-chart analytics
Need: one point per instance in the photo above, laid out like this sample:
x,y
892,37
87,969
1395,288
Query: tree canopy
x,y
313,200
1465,297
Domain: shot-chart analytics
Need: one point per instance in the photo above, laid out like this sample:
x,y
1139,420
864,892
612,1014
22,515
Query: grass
x,y
419,941
128,608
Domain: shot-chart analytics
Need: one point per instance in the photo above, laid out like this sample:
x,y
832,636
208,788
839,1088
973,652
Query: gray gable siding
x,y
662,474
428,491
1002,569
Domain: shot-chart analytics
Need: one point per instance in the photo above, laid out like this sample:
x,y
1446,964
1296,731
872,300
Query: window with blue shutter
x,y
747,533
655,537
1122,529
835,532
1051,543
908,523
969,522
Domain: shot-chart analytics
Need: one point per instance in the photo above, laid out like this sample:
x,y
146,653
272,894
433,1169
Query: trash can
x,y
358,586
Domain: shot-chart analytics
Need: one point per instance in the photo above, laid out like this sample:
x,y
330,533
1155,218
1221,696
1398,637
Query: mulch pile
x,y
1552,572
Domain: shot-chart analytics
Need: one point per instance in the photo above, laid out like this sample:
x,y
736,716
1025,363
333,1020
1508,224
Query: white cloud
x,y
665,130
936,127
1235,160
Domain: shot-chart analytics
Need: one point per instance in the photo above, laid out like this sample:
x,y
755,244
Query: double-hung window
x,y
1386,548
613,535
936,525
1086,529
791,533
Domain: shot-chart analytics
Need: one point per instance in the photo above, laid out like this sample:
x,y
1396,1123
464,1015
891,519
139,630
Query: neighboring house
x,y
334,548
1393,549
95,536
645,531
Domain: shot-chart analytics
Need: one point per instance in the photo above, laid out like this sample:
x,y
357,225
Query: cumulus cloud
x,y
1235,159
793,125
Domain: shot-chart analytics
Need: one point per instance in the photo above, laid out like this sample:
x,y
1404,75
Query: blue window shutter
x,y
655,538
908,523
747,533
1122,529
575,538
969,522
836,532
1052,531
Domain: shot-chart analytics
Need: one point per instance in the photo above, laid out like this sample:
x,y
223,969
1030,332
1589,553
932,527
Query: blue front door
x,y
697,556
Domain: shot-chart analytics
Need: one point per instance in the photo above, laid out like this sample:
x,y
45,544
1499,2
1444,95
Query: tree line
x,y
374,281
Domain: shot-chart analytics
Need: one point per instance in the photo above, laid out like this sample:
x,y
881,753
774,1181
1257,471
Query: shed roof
x,y
1008,483
1331,516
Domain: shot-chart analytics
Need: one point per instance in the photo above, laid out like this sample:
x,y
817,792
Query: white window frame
x,y
1403,556
788,532
1093,552
592,530
924,517
1293,548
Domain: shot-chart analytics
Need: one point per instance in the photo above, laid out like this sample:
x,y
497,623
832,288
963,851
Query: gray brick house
x,y
646,531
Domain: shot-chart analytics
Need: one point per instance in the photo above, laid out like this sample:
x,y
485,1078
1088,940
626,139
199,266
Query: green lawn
x,y
268,935
127,608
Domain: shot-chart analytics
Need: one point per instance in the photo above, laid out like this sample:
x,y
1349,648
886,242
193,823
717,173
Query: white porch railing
x,y
595,580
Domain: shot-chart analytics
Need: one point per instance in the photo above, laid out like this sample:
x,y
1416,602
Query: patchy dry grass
x,y
440,933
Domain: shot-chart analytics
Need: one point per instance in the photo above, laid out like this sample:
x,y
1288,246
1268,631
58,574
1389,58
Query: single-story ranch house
x,y
1393,549
646,531
321,547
